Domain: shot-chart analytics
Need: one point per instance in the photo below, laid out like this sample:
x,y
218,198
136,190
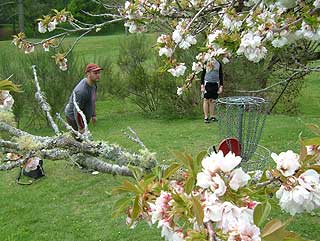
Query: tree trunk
x,y
21,15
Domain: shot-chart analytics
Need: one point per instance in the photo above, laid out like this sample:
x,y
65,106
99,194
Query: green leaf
x,y
274,231
261,213
190,183
136,209
171,170
198,210
120,206
181,157
136,171
9,85
127,187
200,156
312,141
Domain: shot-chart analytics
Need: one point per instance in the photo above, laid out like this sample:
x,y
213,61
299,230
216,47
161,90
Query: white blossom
x,y
213,36
287,162
41,27
246,232
316,3
165,51
197,67
46,47
28,48
176,36
292,200
238,178
231,24
251,47
163,38
179,91
63,64
229,162
52,25
178,70
6,100
279,42
212,181
310,180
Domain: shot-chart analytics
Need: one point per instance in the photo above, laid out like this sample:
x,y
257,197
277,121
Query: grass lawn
x,y
69,204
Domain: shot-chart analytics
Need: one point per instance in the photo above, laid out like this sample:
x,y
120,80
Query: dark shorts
x,y
211,91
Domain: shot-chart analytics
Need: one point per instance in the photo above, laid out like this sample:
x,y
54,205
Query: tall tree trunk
x,y
21,15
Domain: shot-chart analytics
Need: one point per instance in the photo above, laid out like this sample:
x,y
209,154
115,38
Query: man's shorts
x,y
211,91
72,123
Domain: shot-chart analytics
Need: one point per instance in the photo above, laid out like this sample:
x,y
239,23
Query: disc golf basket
x,y
241,120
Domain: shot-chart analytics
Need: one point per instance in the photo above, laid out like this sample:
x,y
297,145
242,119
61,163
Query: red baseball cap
x,y
93,67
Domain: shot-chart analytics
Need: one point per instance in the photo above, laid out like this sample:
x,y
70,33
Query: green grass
x,y
70,204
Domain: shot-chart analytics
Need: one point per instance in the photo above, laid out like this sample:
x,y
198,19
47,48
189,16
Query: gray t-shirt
x,y
86,99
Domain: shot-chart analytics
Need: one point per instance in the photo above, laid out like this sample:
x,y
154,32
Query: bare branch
x,y
43,103
100,15
266,183
134,137
68,127
291,77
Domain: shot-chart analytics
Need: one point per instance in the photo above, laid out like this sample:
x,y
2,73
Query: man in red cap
x,y
85,94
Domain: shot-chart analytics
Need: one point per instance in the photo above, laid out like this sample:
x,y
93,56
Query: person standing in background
x,y
85,93
211,87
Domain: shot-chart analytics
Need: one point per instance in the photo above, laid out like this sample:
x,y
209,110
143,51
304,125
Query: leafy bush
x,y
143,79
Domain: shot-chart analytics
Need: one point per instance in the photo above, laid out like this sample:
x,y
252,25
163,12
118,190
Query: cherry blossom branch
x,y
43,103
266,183
50,38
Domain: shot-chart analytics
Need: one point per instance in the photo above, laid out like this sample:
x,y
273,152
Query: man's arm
x,y
94,115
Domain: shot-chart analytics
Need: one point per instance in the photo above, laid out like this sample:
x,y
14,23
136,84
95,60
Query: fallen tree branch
x,y
9,144
43,103
11,164
19,133
134,137
96,164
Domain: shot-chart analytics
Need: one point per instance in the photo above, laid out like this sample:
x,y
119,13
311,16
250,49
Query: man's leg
x,y
212,107
206,110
